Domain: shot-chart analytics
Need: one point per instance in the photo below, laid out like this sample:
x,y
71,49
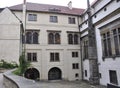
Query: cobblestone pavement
x,y
1,80
66,84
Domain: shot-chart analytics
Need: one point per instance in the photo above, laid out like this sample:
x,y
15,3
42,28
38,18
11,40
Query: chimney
x,y
70,5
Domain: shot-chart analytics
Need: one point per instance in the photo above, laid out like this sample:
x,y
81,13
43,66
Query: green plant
x,y
23,65
6,65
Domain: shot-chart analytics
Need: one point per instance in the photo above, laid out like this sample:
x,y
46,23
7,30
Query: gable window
x,y
75,66
54,57
53,19
32,57
113,77
74,54
73,38
32,17
54,38
71,20
32,37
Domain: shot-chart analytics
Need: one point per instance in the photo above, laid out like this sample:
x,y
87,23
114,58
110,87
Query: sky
x,y
75,3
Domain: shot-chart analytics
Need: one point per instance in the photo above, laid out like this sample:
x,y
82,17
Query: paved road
x,y
66,84
1,80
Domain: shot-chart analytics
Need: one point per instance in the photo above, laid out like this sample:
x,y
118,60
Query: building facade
x,y
52,40
57,41
106,22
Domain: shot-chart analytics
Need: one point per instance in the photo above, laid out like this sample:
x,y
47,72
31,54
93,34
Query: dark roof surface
x,y
48,8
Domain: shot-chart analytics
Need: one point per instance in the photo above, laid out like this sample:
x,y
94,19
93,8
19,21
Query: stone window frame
x,y
32,56
75,66
54,37
31,38
71,20
110,29
113,77
73,38
75,54
54,57
32,17
53,19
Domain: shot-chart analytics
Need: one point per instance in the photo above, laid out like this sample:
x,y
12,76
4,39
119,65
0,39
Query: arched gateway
x,y
32,73
54,74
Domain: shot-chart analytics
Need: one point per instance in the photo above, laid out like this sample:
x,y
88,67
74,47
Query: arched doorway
x,y
32,73
54,74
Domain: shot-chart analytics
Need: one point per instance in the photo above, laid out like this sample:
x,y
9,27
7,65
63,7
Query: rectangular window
x,y
113,77
32,57
54,38
75,66
32,17
85,73
116,35
107,50
73,38
53,19
74,54
85,48
71,20
32,37
54,57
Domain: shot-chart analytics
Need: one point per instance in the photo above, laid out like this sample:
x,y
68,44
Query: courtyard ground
x,y
66,84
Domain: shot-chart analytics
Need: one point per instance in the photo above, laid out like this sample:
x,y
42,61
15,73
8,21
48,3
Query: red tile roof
x,y
48,8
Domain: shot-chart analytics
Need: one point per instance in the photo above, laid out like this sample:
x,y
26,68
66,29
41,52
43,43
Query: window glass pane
x,y
116,45
56,56
113,77
29,56
57,38
53,19
35,38
105,48
75,39
51,38
70,39
34,56
29,37
51,56
71,20
32,17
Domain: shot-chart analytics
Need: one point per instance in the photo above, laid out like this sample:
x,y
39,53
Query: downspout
x,y
24,25
80,47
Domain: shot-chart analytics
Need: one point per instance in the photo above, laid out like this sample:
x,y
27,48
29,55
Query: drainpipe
x,y
80,47
24,25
